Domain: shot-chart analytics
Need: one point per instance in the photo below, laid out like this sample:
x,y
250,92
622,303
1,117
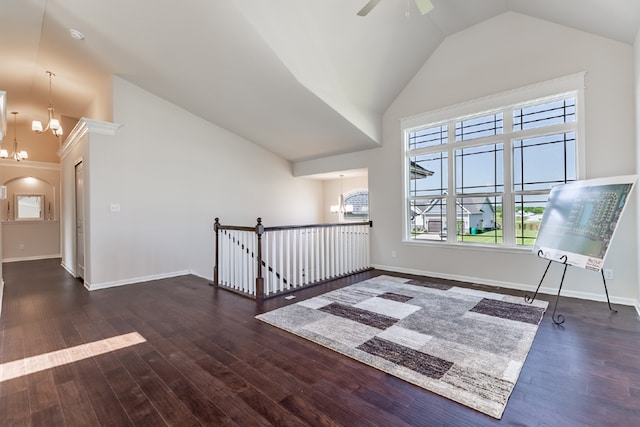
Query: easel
x,y
559,319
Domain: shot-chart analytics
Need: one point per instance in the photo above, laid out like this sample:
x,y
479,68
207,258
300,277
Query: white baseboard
x,y
130,281
512,285
208,278
1,294
31,258
70,270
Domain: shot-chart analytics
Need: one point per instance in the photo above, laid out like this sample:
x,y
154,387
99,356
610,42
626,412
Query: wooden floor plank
x,y
75,405
138,407
15,408
43,392
226,399
51,416
207,361
165,402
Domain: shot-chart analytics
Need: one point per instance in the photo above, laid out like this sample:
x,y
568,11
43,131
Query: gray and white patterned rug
x,y
466,345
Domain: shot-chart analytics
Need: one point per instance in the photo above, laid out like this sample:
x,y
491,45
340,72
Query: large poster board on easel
x,y
580,220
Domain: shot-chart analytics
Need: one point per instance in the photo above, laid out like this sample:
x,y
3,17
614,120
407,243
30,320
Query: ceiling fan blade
x,y
425,6
367,7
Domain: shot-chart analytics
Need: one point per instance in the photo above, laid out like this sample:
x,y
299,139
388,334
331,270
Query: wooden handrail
x,y
290,227
342,224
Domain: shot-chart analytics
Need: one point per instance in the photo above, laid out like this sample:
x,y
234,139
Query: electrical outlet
x,y
394,254
21,246
608,273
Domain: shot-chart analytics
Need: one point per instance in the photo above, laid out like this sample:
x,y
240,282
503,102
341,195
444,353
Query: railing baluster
x,y
232,248
301,258
334,252
323,272
305,278
238,263
310,255
352,249
273,262
281,259
360,248
294,258
347,251
340,251
264,262
287,259
229,259
234,251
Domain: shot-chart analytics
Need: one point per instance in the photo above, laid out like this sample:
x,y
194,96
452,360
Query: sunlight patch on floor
x,y
41,362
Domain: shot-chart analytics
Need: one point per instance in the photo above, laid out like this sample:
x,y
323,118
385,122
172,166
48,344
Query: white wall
x,y
636,57
74,150
172,173
504,53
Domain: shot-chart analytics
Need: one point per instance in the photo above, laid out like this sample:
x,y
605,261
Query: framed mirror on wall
x,y
29,207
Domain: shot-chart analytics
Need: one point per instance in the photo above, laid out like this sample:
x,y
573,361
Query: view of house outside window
x,y
485,178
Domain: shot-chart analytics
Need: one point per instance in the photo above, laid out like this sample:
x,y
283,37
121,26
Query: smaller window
x,y
29,207
428,219
479,219
541,162
428,174
479,127
357,205
428,137
529,209
479,169
547,114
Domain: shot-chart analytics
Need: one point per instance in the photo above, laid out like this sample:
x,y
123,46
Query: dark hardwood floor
x,y
207,361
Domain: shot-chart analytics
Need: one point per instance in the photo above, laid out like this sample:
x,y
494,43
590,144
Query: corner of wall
x,y
636,71
1,294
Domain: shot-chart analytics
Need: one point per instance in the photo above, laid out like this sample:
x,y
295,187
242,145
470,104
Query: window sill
x,y
471,247
31,221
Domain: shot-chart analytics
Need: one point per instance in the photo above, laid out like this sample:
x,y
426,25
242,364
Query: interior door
x,y
79,175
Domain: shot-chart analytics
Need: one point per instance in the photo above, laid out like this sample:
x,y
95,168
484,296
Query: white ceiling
x,y
302,78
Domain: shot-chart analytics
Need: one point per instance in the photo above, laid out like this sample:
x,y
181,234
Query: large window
x,y
483,177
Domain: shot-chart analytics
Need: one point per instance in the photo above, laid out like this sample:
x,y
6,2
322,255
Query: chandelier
x,y
341,208
53,124
15,155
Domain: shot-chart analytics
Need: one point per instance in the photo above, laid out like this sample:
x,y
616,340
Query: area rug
x,y
466,345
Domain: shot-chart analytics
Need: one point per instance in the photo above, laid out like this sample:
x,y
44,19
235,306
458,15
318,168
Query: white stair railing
x,y
265,261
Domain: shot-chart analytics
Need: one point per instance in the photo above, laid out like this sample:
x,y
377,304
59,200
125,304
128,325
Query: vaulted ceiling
x,y
302,78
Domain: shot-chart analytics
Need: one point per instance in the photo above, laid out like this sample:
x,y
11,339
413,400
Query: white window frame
x,y
564,87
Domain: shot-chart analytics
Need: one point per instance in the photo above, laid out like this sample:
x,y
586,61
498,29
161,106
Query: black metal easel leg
x,y
604,282
559,319
529,299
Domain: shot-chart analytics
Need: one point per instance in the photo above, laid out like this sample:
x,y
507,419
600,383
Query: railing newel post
x,y
259,278
216,226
